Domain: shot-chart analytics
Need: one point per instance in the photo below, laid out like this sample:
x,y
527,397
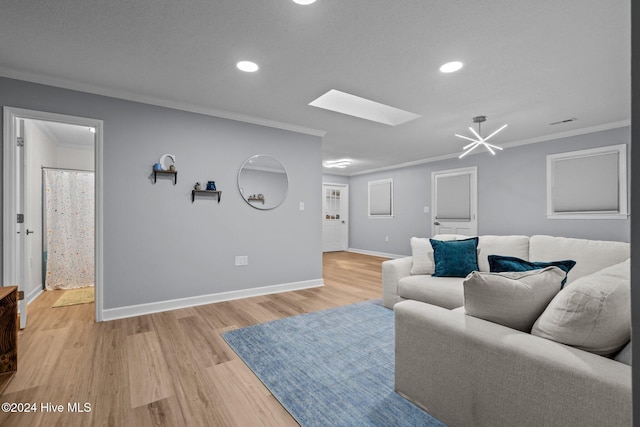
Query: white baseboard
x,y
157,307
373,253
34,294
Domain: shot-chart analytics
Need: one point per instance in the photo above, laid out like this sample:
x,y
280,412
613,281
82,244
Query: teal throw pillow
x,y
502,264
455,258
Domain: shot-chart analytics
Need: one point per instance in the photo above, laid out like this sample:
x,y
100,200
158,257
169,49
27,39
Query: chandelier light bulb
x,y
475,143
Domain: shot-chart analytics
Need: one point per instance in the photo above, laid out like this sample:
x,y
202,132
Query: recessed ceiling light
x,y
345,103
247,66
451,67
304,2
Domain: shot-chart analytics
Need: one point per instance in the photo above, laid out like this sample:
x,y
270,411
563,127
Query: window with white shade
x,y
588,184
381,198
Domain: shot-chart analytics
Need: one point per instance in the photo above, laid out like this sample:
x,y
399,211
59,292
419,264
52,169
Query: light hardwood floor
x,y
164,369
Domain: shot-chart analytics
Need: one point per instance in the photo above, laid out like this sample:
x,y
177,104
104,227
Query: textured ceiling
x,y
527,63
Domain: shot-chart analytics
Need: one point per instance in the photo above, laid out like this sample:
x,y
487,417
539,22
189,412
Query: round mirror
x,y
263,182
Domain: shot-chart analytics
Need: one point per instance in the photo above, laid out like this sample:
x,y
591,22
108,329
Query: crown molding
x,y
159,102
549,137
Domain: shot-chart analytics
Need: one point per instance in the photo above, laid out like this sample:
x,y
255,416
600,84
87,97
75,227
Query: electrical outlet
x,y
242,260
426,209
301,206
386,238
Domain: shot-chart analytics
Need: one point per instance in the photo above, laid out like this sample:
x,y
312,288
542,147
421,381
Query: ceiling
x,y
67,135
526,63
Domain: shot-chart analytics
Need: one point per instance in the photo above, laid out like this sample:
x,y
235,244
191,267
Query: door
x,y
17,260
335,206
454,201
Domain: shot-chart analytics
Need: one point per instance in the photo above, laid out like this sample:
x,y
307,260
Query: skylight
x,y
342,102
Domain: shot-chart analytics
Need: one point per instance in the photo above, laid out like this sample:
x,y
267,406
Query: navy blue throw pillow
x,y
455,258
501,264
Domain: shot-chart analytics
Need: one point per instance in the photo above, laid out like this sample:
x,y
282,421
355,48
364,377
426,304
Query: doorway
x,y
455,201
34,140
335,208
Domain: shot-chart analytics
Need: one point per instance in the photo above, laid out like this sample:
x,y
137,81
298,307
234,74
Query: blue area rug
x,y
331,368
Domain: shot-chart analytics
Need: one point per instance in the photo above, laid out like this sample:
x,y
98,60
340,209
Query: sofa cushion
x,y
441,291
513,299
515,246
593,313
590,255
455,258
501,264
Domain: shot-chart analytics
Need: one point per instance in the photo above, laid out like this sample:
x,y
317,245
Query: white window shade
x,y
381,198
588,183
453,201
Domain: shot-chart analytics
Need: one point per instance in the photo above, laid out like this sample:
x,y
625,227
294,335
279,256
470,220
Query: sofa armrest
x,y
467,371
392,271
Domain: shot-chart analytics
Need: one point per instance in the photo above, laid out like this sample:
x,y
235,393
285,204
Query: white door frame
x,y
11,266
473,172
343,207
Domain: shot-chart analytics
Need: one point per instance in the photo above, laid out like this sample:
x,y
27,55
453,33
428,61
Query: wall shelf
x,y
194,192
256,199
163,172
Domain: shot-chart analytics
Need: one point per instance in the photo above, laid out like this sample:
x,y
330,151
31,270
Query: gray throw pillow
x,y
512,299
592,313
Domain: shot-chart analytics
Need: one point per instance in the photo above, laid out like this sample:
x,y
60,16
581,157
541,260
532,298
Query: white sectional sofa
x,y
468,371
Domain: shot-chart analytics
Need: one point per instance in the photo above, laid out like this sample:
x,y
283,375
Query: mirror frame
x,y
253,205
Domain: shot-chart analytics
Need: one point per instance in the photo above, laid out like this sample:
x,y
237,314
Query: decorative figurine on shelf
x,y
162,160
157,167
260,196
211,186
197,186
172,168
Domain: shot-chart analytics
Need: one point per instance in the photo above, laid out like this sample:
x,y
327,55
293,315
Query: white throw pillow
x,y
592,313
422,254
512,299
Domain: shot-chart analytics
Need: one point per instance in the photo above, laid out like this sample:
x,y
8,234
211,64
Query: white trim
x,y
623,195
586,215
175,304
9,187
128,96
550,137
34,294
374,253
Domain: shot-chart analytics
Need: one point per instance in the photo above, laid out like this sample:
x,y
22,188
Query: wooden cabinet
x,y
8,334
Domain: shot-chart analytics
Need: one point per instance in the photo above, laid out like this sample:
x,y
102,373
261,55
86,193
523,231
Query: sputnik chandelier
x,y
475,143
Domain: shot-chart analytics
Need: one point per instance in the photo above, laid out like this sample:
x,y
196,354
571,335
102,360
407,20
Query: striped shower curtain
x,y
69,223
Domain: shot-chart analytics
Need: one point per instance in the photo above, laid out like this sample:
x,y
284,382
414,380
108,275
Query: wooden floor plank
x,y
165,369
149,378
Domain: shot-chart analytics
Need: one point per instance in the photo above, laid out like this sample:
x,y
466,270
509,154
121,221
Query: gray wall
x,y
157,244
511,197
